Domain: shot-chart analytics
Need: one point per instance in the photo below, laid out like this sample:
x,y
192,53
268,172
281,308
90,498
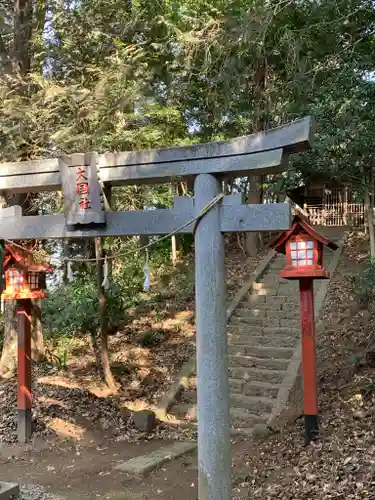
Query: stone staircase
x,y
263,333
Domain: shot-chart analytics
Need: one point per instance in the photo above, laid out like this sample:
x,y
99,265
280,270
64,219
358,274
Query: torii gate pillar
x,y
214,450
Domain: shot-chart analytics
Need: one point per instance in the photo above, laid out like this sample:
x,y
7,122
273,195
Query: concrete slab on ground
x,y
125,495
144,464
9,490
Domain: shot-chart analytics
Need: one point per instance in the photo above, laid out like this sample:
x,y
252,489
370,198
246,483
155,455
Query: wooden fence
x,y
350,214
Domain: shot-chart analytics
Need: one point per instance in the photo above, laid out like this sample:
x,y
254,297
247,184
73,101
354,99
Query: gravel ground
x,y
35,492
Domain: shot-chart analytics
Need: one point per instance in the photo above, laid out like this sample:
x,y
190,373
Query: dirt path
x,y
73,471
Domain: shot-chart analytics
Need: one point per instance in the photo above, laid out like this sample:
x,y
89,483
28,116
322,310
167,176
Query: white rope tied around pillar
x,y
146,283
105,283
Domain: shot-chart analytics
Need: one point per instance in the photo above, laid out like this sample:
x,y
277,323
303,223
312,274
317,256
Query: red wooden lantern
x,y
24,278
303,248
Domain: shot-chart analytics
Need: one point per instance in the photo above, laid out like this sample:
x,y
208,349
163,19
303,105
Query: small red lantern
x,y
24,277
303,247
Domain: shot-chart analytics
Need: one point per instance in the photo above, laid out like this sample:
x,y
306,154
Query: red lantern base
x,y
296,273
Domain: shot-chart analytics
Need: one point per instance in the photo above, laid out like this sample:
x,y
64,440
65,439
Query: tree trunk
x,y
108,377
174,191
255,191
37,338
369,208
8,361
23,18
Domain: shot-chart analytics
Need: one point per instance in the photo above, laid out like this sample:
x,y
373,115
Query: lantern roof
x,y
300,225
24,258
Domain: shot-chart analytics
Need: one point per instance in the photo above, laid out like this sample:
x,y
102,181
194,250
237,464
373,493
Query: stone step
x,y
242,431
269,280
246,387
237,339
258,405
244,310
273,300
247,303
271,293
284,313
281,321
269,321
241,417
266,292
275,283
288,332
253,362
288,306
261,351
250,388
277,317
246,320
257,300
256,374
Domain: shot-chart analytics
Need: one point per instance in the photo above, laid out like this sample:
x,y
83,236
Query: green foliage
x,y
74,309
148,339
58,358
364,284
132,75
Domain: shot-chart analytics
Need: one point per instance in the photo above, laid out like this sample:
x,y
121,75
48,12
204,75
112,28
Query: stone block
x,y
260,430
9,490
144,420
139,466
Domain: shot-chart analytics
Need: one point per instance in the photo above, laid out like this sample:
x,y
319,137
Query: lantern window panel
x,y
302,253
33,280
15,278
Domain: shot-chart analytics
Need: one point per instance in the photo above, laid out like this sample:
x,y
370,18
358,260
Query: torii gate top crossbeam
x,y
260,153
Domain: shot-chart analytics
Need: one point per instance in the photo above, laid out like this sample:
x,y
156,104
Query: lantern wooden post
x,y
24,370
310,389
303,248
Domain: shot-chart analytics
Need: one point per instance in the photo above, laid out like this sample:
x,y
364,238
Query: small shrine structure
x,y
24,277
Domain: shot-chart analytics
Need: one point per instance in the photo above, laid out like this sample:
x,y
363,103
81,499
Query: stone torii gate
x,y
82,176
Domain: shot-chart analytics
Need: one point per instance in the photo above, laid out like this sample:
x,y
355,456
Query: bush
x,y
74,308
364,284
